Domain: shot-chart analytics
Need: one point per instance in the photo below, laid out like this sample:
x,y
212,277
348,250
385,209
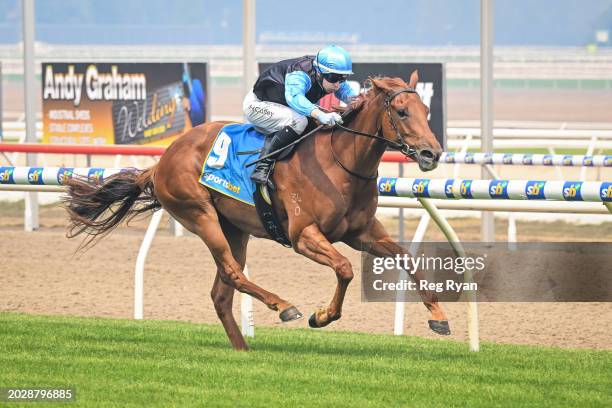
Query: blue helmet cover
x,y
334,59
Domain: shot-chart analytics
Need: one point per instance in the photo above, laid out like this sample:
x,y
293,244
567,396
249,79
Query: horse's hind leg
x,y
205,224
223,297
223,294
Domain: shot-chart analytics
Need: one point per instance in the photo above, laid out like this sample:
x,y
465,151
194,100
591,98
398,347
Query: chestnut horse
x,y
325,192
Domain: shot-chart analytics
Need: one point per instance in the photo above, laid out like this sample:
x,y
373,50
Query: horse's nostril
x,y
427,154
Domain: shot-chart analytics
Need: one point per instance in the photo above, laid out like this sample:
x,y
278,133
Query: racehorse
x,y
326,192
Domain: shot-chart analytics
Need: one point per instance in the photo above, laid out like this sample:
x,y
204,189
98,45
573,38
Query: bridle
x,y
398,144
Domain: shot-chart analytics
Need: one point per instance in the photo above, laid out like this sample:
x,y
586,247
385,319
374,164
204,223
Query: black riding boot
x,y
273,142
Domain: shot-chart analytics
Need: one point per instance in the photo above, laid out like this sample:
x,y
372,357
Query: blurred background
x,y
553,58
552,61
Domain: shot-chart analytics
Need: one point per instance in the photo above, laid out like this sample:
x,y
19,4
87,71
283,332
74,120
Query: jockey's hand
x,y
351,99
329,119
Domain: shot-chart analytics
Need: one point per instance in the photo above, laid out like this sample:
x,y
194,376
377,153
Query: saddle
x,y
225,170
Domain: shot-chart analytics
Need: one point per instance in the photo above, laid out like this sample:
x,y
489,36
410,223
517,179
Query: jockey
x,y
285,94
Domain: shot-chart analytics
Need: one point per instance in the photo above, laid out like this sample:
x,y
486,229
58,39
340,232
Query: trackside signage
x,y
122,103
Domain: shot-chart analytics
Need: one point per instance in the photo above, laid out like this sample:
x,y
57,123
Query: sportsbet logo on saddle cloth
x,y
225,168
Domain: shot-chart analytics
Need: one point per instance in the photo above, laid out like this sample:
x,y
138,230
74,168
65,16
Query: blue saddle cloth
x,y
225,170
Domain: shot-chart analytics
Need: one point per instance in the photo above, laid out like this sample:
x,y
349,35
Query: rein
x,y
398,144
277,151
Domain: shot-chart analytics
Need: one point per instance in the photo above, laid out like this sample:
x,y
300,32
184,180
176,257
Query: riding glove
x,y
329,119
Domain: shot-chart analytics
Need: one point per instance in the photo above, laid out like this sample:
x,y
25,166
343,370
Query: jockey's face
x,y
330,87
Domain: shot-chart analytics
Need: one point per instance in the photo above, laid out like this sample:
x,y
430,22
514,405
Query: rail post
x,y
453,239
31,198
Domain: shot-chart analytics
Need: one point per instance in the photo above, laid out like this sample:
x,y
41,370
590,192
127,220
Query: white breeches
x,y
270,117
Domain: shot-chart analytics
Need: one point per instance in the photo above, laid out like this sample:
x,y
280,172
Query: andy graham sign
x,y
121,103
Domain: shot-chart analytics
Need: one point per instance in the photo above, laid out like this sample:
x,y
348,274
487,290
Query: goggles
x,y
334,78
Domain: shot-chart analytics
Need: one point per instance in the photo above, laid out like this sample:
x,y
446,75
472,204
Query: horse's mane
x,y
350,111
363,100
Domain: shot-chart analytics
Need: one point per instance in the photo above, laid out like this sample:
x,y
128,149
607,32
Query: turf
x,y
114,362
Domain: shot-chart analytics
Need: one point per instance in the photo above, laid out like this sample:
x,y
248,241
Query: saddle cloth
x,y
225,168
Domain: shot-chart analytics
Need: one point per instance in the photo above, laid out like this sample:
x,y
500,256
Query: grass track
x,y
114,362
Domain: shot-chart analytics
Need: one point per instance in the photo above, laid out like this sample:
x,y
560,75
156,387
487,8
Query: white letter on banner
x,y
49,88
92,87
426,92
220,149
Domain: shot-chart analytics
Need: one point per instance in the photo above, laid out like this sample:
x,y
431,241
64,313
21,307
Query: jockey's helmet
x,y
333,63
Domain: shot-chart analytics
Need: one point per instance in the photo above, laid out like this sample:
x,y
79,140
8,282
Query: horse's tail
x,y
96,209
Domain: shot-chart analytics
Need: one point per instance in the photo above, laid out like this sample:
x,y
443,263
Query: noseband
x,y
398,144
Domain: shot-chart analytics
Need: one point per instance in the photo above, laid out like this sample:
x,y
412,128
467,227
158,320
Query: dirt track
x,y
39,274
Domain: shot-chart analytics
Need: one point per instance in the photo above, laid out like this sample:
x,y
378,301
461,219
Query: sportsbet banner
x,y
106,103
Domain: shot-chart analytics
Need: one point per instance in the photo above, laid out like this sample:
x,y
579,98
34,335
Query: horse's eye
x,y
402,114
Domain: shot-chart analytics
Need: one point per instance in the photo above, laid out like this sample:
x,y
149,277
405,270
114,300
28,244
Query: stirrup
x,y
265,193
268,181
269,184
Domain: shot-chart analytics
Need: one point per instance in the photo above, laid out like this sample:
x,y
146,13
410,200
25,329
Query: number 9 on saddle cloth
x,y
225,171
225,168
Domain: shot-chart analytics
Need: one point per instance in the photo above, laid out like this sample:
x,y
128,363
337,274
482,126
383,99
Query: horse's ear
x,y
414,78
379,83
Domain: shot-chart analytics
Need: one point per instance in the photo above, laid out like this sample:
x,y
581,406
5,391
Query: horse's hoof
x,y
290,313
312,321
439,326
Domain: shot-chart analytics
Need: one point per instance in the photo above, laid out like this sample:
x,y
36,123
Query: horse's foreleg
x,y
377,241
313,244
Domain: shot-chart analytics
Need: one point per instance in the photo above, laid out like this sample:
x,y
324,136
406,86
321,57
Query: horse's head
x,y
404,120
